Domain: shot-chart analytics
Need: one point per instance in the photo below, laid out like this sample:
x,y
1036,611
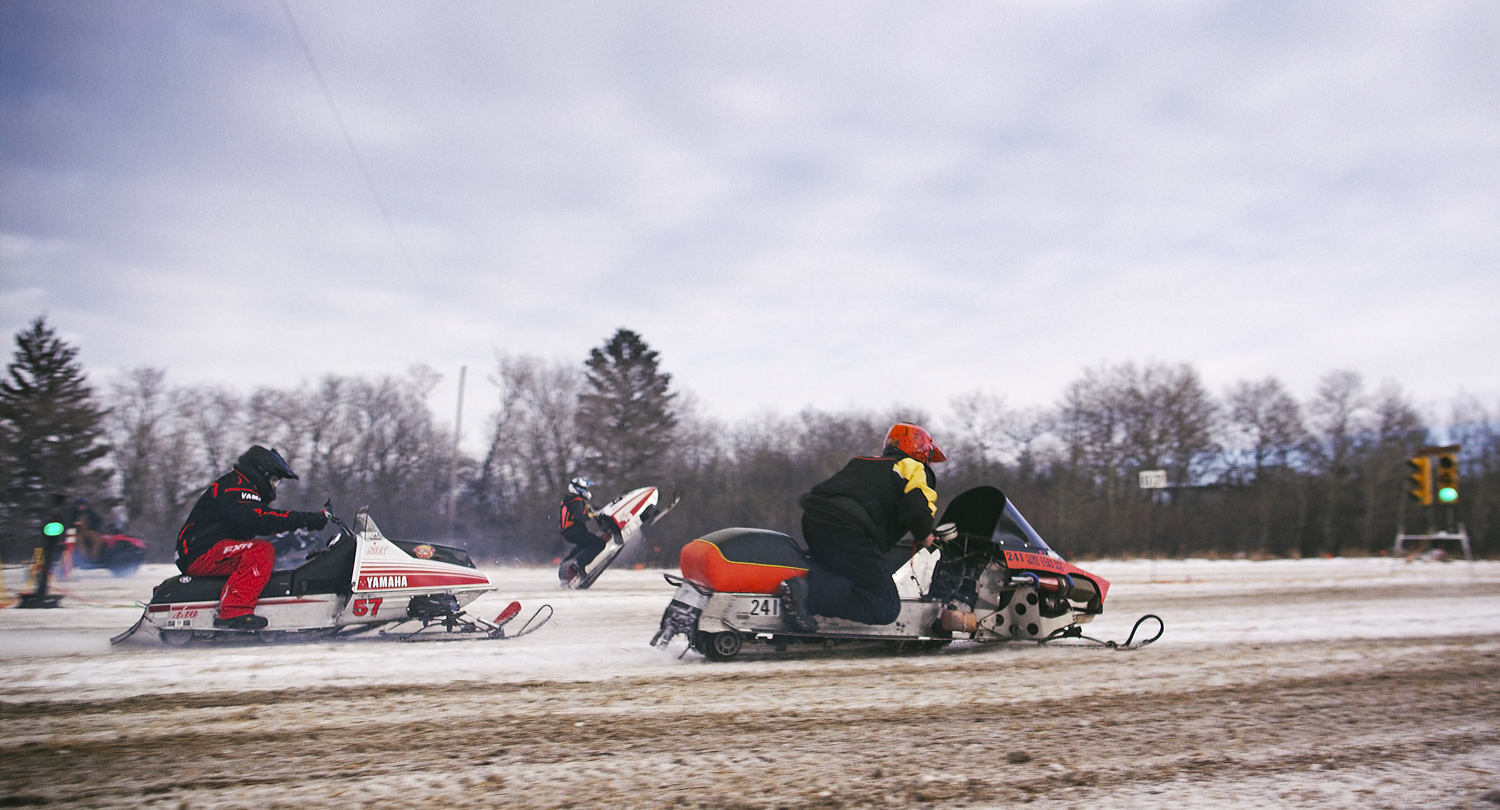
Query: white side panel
x,y
280,613
381,568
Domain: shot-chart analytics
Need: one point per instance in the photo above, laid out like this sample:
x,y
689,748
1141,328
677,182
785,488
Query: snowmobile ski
x,y
656,516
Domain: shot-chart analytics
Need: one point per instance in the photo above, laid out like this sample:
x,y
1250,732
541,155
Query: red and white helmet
x,y
915,442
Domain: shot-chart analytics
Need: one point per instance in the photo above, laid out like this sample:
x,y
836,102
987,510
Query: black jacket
x,y
882,497
235,507
572,517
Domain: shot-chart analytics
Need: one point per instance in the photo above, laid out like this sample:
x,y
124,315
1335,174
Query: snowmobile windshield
x,y
1014,533
365,528
432,551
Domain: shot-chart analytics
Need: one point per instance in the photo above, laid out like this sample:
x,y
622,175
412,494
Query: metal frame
x,y
1462,536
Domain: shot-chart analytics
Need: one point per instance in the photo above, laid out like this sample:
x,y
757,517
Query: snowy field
x,y
1311,683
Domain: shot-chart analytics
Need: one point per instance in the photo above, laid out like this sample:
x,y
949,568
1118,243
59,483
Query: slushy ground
x,y
1365,682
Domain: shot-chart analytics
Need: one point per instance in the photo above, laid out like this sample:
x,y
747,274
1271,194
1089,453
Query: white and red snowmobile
x,y
361,581
620,522
989,577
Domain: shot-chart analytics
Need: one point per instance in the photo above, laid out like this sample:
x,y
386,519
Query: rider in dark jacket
x,y
851,520
219,538
572,521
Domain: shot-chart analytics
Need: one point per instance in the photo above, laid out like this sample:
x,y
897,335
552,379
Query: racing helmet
x,y
914,441
268,463
580,486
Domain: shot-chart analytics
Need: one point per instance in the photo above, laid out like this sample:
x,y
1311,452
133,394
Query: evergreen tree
x,y
51,434
626,421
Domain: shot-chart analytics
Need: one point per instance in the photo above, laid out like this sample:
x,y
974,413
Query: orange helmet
x,y
915,442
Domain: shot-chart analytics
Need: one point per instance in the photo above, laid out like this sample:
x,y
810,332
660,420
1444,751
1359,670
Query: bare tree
x,y
1337,414
534,451
1477,429
215,416
1395,431
1266,438
153,454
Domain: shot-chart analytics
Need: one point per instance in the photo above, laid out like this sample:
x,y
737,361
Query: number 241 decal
x,y
765,607
367,607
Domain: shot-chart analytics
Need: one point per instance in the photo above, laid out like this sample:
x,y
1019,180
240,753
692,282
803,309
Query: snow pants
x,y
586,545
848,578
247,563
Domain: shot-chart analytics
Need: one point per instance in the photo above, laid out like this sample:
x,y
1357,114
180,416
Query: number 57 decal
x,y
367,607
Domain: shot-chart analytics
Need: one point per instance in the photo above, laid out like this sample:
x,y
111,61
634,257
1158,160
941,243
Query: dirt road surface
x,y
1338,683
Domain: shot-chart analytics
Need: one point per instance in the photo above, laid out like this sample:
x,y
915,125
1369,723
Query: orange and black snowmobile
x,y
989,577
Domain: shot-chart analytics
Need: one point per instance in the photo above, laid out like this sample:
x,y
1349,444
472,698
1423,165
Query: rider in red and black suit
x,y
219,536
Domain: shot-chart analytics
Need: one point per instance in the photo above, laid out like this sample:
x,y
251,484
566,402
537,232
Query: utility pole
x,y
458,421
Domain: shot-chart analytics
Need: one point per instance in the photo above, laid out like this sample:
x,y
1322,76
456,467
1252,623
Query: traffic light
x,y
1447,478
1421,480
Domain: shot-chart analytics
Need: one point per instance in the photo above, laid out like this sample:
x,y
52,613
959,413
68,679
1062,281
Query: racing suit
x,y
851,520
219,537
571,521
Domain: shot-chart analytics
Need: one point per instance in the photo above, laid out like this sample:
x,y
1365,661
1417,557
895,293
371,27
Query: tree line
x,y
1253,471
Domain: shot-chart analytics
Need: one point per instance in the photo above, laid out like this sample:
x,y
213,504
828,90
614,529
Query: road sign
x,y
1153,479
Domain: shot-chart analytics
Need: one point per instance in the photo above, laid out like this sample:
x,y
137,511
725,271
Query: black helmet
x,y
268,463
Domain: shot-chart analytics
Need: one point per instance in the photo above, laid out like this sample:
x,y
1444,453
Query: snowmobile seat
x,y
208,589
194,589
743,560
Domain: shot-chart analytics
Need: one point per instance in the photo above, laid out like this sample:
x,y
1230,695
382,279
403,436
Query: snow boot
x,y
794,614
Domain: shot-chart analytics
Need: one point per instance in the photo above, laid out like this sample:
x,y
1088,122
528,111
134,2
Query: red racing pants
x,y
247,563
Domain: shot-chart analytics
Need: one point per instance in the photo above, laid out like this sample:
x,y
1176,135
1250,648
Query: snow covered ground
x,y
1295,683
606,631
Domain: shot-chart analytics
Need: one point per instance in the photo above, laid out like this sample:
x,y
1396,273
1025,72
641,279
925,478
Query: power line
x,y
390,222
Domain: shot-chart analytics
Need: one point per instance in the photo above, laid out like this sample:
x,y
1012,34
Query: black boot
x,y
794,611
249,621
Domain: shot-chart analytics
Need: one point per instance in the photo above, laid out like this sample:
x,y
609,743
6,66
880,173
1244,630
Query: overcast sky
x,y
824,204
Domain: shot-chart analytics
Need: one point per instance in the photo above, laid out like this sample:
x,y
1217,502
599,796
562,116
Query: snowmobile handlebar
x,y
334,519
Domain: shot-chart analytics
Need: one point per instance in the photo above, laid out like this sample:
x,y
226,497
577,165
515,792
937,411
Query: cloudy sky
x,y
825,204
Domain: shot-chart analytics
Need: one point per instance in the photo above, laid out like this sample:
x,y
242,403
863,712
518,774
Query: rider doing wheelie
x,y
572,519
219,538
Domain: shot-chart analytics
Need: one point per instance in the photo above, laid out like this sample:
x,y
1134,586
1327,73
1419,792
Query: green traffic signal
x,y
53,529
1447,478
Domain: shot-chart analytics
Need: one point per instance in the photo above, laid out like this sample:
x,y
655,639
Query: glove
x,y
314,520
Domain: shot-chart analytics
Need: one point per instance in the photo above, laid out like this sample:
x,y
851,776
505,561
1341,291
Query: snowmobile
x,y
989,577
359,582
121,554
620,521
